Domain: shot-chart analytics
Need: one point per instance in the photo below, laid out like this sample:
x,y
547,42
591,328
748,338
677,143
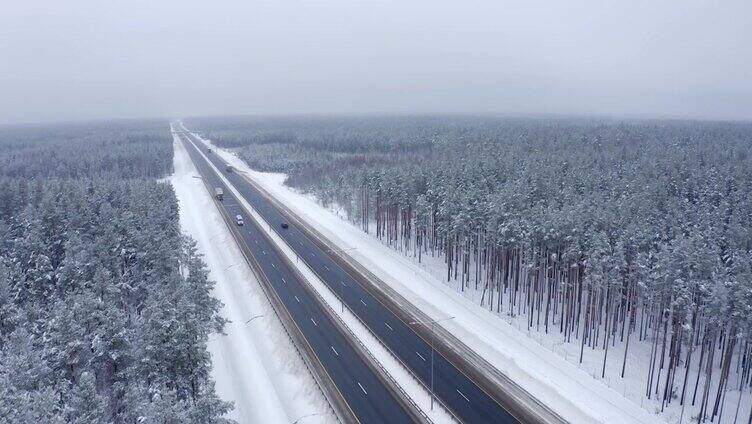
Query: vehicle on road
x,y
208,149
239,220
218,193
228,168
284,225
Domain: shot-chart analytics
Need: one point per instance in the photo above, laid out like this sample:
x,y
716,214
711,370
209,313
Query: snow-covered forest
x,y
630,242
105,307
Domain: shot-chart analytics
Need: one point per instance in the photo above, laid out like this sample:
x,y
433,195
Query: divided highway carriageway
x,y
456,391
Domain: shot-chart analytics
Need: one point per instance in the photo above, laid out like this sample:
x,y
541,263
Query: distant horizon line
x,y
375,114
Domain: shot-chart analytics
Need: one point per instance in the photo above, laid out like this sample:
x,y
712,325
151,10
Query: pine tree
x,y
85,405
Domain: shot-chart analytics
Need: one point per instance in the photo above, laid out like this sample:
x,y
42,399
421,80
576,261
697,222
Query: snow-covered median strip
x,y
568,390
255,364
402,377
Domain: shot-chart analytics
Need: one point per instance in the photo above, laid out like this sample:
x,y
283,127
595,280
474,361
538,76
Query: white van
x,y
239,220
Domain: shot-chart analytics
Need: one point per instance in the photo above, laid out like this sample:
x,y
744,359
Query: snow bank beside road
x,y
568,390
254,364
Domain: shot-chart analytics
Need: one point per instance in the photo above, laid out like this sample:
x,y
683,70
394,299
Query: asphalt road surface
x,y
366,396
466,400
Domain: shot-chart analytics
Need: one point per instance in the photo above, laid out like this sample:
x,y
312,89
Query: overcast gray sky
x,y
70,60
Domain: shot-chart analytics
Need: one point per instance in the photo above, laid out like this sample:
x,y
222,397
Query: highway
x,y
462,396
363,391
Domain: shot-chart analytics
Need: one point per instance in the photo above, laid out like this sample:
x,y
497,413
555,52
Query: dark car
x,y
284,225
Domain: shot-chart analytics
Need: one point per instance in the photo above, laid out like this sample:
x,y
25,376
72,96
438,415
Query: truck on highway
x,y
218,193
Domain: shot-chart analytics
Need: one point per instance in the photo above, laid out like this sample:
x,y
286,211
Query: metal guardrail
x,y
366,351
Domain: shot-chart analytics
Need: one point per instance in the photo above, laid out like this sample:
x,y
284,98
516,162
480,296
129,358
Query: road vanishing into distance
x,y
365,394
362,390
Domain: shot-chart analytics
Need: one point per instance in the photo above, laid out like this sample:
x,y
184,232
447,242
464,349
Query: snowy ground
x,y
539,364
255,364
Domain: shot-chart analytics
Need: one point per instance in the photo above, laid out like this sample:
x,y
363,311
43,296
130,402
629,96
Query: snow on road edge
x,y
255,364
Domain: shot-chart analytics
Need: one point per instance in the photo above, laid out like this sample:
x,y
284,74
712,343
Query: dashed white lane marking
x,y
389,327
335,351
274,266
313,254
458,391
421,356
264,252
361,388
327,268
301,243
296,298
254,240
314,322
364,303
283,280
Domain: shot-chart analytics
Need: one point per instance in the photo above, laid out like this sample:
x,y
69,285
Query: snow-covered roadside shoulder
x,y
568,390
254,364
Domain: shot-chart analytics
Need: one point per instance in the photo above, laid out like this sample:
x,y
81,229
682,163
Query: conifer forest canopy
x,y
105,307
620,237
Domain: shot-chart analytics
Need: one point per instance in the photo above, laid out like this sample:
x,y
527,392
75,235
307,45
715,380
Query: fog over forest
x,y
91,60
